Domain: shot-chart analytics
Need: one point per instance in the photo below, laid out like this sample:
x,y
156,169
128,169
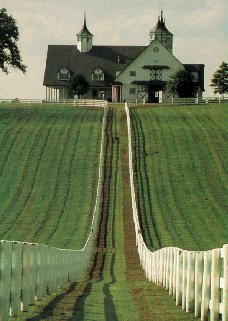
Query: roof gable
x,y
155,54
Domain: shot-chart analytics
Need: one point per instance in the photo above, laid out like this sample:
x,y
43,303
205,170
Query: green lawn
x,y
118,294
181,177
49,160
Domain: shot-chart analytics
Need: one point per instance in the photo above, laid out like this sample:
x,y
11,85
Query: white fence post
x,y
198,282
225,284
164,255
16,278
171,270
215,285
5,277
184,279
26,276
33,262
175,256
40,292
206,288
179,277
167,269
190,290
159,267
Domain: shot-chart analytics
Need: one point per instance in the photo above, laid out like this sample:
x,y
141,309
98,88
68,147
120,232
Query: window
x,y
64,74
132,90
132,73
156,74
101,94
98,74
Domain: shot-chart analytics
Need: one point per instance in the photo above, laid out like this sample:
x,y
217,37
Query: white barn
x,y
118,73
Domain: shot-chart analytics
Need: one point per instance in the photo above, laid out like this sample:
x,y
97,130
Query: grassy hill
x,y
181,162
48,173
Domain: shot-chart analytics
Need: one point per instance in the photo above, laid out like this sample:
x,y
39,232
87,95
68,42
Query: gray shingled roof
x,y
105,57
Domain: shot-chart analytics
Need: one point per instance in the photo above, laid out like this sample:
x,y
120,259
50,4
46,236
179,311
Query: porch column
x,y
116,94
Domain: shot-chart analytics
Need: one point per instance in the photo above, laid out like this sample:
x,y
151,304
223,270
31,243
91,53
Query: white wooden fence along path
x,y
40,102
29,271
198,281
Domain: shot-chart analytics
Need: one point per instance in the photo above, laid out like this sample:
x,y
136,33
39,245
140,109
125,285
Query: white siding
x,y
149,57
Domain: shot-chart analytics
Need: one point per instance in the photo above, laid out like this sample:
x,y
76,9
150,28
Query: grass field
x,y
115,288
48,173
181,162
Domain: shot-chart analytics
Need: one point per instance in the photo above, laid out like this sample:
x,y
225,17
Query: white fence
x,y
198,281
183,101
40,102
28,271
193,101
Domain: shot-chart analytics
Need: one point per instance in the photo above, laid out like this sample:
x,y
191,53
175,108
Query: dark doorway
x,y
153,95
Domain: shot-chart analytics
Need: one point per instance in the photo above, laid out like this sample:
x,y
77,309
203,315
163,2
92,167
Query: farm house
x,y
118,73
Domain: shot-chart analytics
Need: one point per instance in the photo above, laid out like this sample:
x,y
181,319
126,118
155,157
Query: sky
x,y
200,29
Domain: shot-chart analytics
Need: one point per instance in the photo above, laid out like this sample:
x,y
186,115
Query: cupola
x,y
162,33
85,38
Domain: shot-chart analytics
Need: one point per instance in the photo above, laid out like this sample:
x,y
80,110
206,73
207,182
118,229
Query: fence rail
x,y
181,101
198,281
193,101
41,102
29,271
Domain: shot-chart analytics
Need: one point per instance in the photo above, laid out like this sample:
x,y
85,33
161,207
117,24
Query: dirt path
x,y
114,288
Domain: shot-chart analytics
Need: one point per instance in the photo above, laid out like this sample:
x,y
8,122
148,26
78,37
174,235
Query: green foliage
x,y
181,161
181,84
9,35
220,79
48,176
78,85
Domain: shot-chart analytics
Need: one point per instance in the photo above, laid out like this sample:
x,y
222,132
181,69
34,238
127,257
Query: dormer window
x,y
98,74
64,74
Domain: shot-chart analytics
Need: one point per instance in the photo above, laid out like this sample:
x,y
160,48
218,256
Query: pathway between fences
x,y
115,287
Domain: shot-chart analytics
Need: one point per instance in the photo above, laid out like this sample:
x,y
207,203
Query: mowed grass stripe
x,y
159,167
52,138
145,201
74,188
14,212
185,187
13,175
185,160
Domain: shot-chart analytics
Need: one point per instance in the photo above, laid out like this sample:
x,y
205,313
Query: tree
x,y
220,79
78,85
9,35
181,83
